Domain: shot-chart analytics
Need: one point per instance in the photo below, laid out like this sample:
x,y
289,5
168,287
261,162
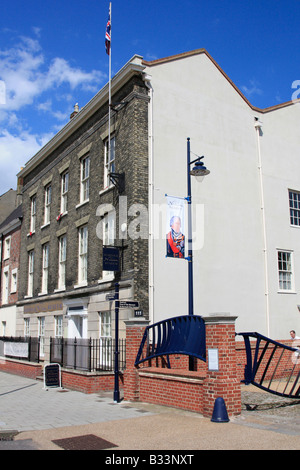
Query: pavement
x,y
33,418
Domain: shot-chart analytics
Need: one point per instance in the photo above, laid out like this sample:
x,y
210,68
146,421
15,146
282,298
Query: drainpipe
x,y
147,81
258,127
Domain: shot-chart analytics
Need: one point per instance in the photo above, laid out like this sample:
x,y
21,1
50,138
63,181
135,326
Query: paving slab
x,y
53,419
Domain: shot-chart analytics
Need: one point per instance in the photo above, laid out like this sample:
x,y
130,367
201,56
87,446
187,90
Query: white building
x,y
249,261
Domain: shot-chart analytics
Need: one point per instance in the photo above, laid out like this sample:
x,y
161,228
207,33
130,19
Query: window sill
x,y
109,278
61,215
106,190
60,289
81,284
42,293
82,203
30,234
286,292
45,225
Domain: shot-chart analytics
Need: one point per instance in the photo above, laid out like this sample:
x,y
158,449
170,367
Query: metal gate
x,y
272,366
178,335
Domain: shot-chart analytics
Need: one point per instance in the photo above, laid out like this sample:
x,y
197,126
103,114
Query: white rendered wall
x,y
191,98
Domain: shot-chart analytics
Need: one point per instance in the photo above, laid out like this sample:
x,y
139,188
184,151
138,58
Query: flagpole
x,y
109,86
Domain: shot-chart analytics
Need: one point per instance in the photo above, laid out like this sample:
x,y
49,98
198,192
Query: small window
x,y
45,269
30,273
294,201
285,271
14,281
47,204
33,214
109,161
7,245
83,255
58,326
5,291
85,179
26,327
64,192
62,259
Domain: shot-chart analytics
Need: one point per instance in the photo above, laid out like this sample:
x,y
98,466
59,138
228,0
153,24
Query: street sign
x,y
110,297
128,304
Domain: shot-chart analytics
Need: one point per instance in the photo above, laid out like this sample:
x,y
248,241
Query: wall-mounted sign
x,y
39,307
138,313
213,359
111,258
128,304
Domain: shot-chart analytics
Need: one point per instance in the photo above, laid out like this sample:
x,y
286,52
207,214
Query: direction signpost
x,y
118,304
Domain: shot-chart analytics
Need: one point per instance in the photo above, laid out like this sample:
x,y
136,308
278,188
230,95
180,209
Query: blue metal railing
x,y
272,366
178,335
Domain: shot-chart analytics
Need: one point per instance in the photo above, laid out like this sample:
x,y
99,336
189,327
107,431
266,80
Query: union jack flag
x,y
107,34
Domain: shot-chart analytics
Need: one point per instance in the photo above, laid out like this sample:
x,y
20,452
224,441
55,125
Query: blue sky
x,y
52,56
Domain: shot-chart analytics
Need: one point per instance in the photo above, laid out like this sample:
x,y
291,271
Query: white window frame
x,y
7,247
105,336
14,281
33,214
85,179
41,335
30,273
27,326
45,268
294,206
109,161
62,261
285,267
82,254
47,206
5,288
58,326
64,192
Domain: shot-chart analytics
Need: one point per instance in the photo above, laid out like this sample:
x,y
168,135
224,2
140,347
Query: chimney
x,y
76,111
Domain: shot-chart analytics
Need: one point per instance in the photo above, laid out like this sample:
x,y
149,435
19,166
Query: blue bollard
x,y
220,413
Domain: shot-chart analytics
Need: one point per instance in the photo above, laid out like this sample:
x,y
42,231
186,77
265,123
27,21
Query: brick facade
x,y
10,233
129,124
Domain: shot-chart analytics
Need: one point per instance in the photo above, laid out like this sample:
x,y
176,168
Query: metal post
x,y
190,247
190,234
116,390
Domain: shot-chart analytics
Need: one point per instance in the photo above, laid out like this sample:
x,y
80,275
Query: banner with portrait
x,y
175,238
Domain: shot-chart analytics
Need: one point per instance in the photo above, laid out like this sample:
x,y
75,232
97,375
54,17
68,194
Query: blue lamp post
x,y
199,171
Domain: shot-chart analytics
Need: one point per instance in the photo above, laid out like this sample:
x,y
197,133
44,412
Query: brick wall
x,y
12,263
130,124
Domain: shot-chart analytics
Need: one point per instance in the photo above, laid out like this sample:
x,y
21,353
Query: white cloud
x,y
252,89
15,151
34,85
26,75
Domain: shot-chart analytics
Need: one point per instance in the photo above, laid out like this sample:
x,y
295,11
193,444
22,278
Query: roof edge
x,y
194,52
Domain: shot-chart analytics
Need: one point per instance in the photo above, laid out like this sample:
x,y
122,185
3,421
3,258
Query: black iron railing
x,y
87,354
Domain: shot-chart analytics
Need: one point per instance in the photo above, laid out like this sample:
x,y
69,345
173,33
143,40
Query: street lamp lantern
x,y
199,170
